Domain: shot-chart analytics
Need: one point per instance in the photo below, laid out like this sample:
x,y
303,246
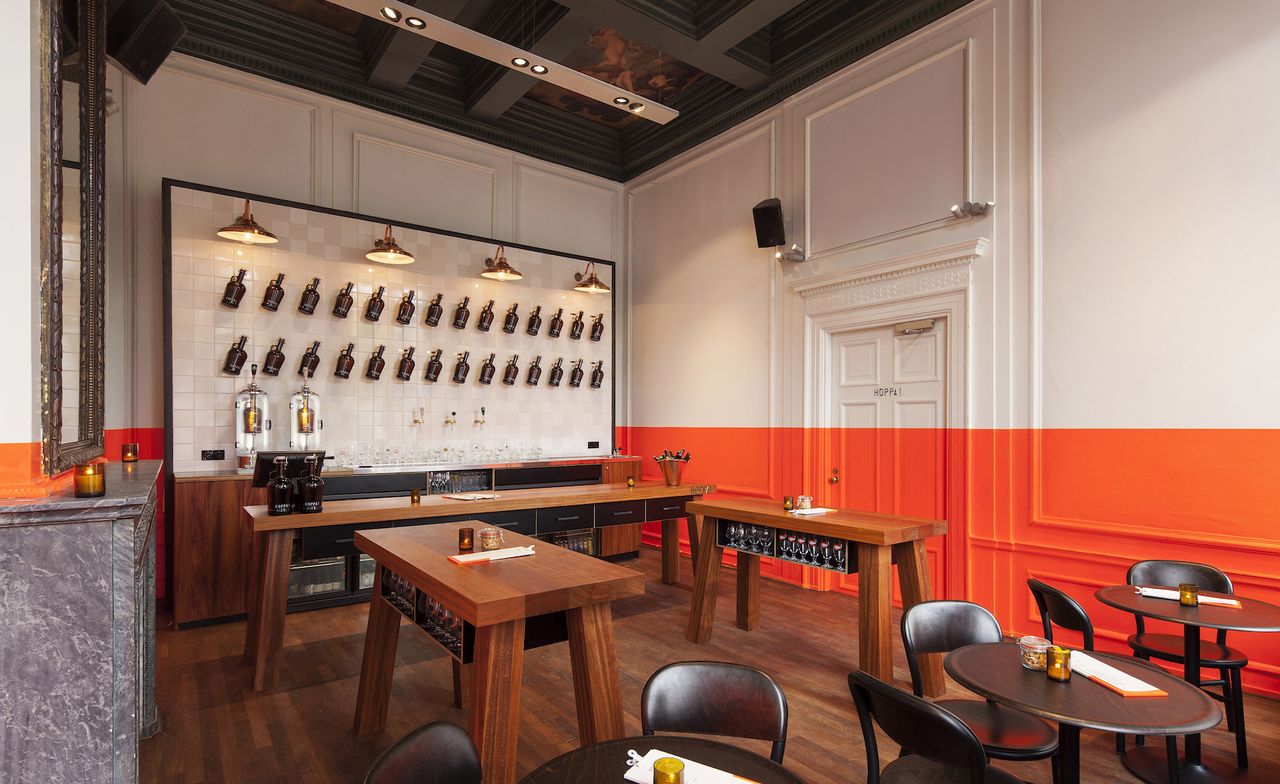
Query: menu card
x,y
1112,678
641,770
1169,593
491,555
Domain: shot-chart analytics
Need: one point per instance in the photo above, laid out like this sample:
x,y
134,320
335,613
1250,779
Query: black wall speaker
x,y
140,34
768,217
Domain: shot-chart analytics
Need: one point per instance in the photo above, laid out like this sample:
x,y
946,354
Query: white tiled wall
x,y
357,412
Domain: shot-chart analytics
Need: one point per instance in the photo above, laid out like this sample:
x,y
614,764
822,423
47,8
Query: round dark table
x,y
995,671
1149,763
607,762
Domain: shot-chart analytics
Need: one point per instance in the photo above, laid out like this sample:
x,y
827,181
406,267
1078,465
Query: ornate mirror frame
x,y
58,456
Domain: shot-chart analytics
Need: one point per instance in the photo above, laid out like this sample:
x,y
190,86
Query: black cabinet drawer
x,y
332,540
619,513
565,518
521,521
664,508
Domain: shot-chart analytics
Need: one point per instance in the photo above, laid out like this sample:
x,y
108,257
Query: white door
x,y
888,438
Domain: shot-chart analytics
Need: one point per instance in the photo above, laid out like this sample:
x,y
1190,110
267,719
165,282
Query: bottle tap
x,y
452,419
479,420
419,416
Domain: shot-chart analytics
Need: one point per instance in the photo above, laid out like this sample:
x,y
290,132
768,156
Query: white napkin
x,y
1111,677
472,496
492,555
1169,593
817,510
641,770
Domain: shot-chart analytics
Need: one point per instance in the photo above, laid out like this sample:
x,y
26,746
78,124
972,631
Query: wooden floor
x,y
215,729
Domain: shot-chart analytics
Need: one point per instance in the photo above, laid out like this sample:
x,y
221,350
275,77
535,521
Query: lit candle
x,y
129,453
89,481
1058,666
466,539
1188,594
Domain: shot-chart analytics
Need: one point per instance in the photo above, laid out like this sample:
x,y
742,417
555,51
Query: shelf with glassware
x,y
821,552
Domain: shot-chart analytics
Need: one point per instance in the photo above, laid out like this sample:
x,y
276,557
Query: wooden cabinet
x,y
210,547
625,538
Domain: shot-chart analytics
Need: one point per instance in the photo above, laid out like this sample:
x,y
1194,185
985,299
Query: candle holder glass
x,y
129,453
1188,594
1059,664
89,481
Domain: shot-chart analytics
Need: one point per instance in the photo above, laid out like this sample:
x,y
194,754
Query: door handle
x,y
835,476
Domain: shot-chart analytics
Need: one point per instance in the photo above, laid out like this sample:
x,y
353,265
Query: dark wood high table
x,y
557,509
500,608
995,671
1149,763
870,544
607,762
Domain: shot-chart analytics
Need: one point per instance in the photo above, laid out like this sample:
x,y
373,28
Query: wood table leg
x,y
692,522
461,683
498,666
596,688
378,664
257,561
670,552
706,575
875,653
269,609
913,579
748,591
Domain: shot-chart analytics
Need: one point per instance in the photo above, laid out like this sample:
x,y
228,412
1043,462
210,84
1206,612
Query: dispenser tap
x,y
419,416
479,420
452,419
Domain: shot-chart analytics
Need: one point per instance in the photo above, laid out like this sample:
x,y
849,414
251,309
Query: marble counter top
x,y
129,485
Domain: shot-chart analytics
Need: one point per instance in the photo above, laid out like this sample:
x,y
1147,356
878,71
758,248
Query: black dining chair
x,y
935,745
715,698
943,625
1215,655
1059,609
437,753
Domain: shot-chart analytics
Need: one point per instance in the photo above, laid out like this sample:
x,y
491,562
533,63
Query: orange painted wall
x,y
1074,507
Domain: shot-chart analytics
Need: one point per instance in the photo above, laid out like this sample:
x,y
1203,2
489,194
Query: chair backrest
x,y
438,753
1173,574
917,726
941,626
715,698
1058,608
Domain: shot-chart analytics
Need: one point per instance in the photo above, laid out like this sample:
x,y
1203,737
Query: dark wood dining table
x,y
607,762
1149,763
995,671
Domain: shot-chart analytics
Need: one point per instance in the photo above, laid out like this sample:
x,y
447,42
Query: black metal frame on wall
x,y
168,186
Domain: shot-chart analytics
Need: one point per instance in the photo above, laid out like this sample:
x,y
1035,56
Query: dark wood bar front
x,y
500,609
870,544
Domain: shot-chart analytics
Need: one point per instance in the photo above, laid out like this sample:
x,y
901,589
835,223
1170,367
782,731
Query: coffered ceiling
x,y
716,61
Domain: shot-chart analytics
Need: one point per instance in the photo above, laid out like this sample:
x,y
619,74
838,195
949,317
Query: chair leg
x,y
1237,707
1120,744
1053,766
1227,697
1171,757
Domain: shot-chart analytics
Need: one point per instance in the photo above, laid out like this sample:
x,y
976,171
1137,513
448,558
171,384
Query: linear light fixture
x,y
437,28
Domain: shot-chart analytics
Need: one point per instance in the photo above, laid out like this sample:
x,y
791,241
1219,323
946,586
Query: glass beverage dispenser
x,y
253,422
304,419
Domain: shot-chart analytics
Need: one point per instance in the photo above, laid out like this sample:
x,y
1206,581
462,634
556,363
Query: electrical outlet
x,y
593,445
213,454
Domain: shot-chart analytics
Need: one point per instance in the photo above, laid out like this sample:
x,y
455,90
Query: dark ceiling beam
x,y
745,21
395,55
500,94
633,23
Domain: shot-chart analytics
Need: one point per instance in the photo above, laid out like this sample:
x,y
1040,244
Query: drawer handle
x,y
623,512
344,541
567,519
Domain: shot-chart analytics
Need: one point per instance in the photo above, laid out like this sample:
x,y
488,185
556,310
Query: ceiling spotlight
x,y
636,107
390,13
589,282
794,253
414,21
622,100
519,62
497,268
387,251
245,229
539,69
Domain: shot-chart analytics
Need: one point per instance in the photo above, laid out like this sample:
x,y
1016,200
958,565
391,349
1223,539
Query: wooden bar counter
x,y
870,544
553,509
494,612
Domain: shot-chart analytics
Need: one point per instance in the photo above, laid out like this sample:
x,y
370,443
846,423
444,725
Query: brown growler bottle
x,y
575,375
535,372
462,314
556,324
485,320
535,321
342,304
312,488
597,328
405,371
511,372
373,309
404,313
434,311
597,374
310,297
345,362
376,364
557,373
280,491
434,366
486,370
236,357
274,293
234,291
511,321
275,358
461,369
575,329
310,360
